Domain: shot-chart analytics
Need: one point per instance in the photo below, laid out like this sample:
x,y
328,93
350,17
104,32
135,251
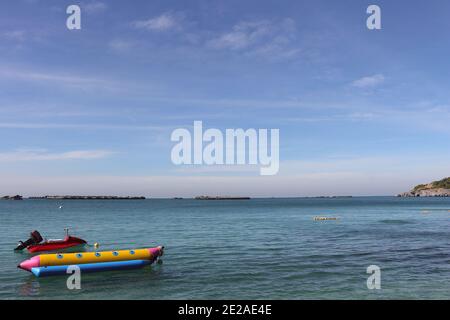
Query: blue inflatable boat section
x,y
90,267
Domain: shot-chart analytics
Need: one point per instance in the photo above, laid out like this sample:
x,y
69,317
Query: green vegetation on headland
x,y
439,188
444,183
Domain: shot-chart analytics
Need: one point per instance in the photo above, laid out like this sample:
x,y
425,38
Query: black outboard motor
x,y
35,238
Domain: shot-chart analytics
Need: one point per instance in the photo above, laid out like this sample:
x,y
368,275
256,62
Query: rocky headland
x,y
439,188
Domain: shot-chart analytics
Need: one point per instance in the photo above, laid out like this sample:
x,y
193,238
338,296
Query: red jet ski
x,y
37,244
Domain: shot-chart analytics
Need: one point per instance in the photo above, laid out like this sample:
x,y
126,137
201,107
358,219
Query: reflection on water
x,y
30,288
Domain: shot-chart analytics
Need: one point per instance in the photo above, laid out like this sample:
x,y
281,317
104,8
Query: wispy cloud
x,y
265,38
164,22
17,35
31,75
233,103
43,154
369,81
67,80
193,169
353,116
20,125
94,7
243,35
120,45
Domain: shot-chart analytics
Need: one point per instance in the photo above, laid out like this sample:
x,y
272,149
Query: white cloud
x,y
90,83
42,154
265,38
353,116
31,75
164,22
120,45
369,82
17,35
193,169
23,125
66,80
94,7
243,35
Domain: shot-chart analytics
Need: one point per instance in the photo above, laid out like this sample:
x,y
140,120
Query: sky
x,y
91,111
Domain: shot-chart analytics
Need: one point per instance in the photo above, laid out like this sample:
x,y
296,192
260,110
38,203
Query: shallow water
x,y
256,249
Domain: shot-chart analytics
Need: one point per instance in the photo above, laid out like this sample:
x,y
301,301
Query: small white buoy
x,y
60,207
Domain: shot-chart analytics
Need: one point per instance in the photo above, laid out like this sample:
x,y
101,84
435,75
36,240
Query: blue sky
x,y
91,111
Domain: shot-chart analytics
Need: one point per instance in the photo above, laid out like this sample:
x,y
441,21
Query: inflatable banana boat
x,y
58,264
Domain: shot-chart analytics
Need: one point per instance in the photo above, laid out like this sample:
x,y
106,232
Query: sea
x,y
242,249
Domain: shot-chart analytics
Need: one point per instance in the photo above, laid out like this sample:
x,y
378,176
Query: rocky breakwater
x,y
16,197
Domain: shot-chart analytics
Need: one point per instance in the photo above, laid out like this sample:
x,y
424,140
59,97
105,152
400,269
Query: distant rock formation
x,y
16,197
439,188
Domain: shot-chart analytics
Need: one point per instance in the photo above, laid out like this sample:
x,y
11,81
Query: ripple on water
x,y
263,248
396,221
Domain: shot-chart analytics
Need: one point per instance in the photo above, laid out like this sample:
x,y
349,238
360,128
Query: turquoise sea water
x,y
256,249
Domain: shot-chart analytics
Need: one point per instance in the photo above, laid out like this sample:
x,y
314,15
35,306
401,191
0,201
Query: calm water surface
x,y
257,249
